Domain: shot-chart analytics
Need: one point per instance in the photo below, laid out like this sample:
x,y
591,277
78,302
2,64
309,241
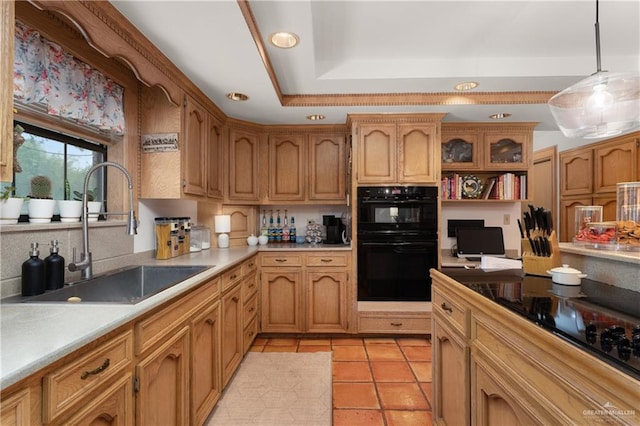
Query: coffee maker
x,y
334,229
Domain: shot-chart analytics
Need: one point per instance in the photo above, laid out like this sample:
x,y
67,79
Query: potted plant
x,y
93,206
10,207
41,205
70,210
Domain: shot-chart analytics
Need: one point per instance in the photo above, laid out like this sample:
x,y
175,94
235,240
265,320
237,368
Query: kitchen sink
x,y
125,286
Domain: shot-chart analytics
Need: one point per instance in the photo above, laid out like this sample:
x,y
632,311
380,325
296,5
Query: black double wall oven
x,y
397,242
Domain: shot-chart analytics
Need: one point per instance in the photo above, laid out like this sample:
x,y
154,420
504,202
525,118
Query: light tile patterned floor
x,y
376,381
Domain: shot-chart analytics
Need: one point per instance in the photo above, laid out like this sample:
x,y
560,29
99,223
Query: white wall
x,y
149,209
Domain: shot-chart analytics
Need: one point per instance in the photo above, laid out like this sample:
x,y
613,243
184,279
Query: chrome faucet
x,y
84,266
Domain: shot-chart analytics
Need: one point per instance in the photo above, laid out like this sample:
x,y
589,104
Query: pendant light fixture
x,y
602,105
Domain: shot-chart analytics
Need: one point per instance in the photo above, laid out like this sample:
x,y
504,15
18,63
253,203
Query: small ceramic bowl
x,y
263,240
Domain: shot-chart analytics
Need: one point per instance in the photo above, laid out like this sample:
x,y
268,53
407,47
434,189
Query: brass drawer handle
x,y
326,260
396,324
281,260
98,370
446,308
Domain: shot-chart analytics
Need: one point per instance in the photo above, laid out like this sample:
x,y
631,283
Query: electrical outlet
x,y
506,219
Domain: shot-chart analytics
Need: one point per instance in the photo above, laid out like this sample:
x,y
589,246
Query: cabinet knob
x,y
233,277
235,298
446,308
98,370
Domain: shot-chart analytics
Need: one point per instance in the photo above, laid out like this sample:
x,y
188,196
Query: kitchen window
x,y
61,158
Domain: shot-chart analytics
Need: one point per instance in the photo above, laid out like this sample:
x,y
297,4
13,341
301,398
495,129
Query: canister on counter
x,y
628,214
583,216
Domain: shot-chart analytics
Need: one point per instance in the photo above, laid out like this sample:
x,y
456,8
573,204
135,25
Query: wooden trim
x,y
7,26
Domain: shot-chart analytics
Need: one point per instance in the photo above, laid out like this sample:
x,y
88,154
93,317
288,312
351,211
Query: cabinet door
x,y
495,404
327,168
215,145
16,409
568,216
376,154
576,172
286,168
163,379
615,163
418,154
506,151
281,300
114,406
232,350
206,380
194,146
326,301
609,206
243,166
450,382
461,151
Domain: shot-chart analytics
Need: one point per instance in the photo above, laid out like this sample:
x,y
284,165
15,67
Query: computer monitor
x,y
477,242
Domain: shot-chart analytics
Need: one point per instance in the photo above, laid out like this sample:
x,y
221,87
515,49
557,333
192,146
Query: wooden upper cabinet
x,y
418,154
376,153
615,162
215,146
326,176
461,151
287,167
243,166
194,148
576,176
507,150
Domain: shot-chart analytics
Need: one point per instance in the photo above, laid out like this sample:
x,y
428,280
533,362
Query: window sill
x,y
34,227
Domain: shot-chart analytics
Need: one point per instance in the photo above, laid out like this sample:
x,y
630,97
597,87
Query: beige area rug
x,y
278,389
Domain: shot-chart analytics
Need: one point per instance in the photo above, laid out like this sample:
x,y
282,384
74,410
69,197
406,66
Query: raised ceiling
x,y
389,56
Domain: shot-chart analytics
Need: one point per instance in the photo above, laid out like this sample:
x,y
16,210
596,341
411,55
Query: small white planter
x,y
41,210
94,210
70,210
10,210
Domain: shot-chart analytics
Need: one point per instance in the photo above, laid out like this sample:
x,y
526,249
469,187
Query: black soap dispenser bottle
x,y
54,268
33,280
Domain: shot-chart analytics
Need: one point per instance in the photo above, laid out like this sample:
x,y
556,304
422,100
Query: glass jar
x,y
583,216
195,243
628,201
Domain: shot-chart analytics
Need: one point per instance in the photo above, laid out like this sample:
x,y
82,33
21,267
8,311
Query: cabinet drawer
x,y
154,329
451,312
402,324
230,277
67,385
250,333
285,259
327,259
250,309
249,286
249,266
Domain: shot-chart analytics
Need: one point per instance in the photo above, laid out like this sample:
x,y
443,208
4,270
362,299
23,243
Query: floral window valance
x,y
43,73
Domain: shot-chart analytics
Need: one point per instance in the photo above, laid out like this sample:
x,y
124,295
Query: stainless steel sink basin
x,y
127,285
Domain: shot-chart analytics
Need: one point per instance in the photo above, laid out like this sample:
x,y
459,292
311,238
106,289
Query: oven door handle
x,y
413,249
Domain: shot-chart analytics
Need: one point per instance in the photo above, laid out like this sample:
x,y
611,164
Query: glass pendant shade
x,y
599,106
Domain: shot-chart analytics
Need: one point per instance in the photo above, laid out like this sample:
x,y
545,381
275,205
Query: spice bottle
x,y
33,282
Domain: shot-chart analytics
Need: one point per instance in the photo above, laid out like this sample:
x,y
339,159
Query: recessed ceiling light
x,y
315,117
284,40
465,85
237,96
499,115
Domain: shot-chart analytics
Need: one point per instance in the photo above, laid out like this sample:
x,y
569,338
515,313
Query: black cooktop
x,y
599,318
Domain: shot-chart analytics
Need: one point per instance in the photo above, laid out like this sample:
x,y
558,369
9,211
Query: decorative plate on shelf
x,y
471,187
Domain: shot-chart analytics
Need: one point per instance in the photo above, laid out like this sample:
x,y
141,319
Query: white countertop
x,y
617,255
33,335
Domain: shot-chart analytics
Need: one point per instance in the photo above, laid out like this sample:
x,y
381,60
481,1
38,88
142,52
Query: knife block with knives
x,y
540,249
536,264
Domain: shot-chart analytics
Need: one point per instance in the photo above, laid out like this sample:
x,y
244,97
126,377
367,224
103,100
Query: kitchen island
x,y
499,359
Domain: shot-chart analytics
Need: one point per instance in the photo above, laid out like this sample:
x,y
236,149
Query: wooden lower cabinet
x,y
114,406
206,380
163,380
304,293
232,332
518,373
15,409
